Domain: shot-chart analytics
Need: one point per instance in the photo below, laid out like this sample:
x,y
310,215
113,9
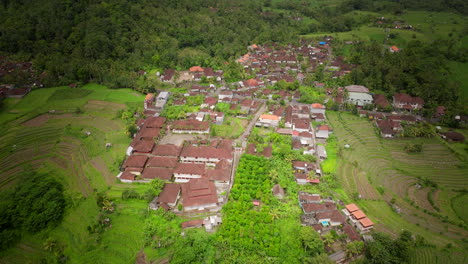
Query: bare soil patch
x,y
37,121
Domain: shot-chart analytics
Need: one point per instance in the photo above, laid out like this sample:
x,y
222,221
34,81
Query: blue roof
x,y
322,42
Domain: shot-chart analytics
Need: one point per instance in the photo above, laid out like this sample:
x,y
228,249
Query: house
x,y
364,225
306,138
169,194
321,152
192,223
403,101
161,100
199,194
143,147
318,207
191,126
305,167
351,233
135,161
301,124
148,133
196,69
167,150
186,171
388,128
317,109
277,191
394,49
162,162
205,154
359,99
332,218
309,198
350,208
301,178
155,122
225,94
246,105
268,120
221,174
380,101
159,173
168,75
356,89
318,117
323,131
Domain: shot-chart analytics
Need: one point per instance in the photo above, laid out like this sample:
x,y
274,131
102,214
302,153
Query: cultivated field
x,y
57,142
380,170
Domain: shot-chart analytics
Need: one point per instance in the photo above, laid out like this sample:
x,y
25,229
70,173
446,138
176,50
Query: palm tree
x,y
107,206
328,239
50,244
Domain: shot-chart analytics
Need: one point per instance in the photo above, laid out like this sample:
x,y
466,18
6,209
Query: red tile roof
x,y
324,127
313,207
143,146
169,150
334,216
192,223
160,173
196,69
366,222
155,122
169,193
136,161
309,198
352,234
165,162
351,207
191,124
206,152
148,133
199,192
190,168
358,214
318,106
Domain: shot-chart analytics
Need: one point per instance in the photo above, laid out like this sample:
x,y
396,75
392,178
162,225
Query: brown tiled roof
x,y
299,175
192,223
165,162
277,190
136,161
351,207
225,144
334,216
366,222
147,132
169,193
380,100
191,124
206,152
168,150
190,168
155,122
127,175
352,234
313,207
199,192
143,146
160,173
309,198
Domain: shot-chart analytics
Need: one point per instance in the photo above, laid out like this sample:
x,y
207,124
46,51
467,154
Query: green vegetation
x,y
231,128
372,163
36,203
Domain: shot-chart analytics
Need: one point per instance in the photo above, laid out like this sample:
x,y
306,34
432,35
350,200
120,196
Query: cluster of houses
x,y
195,73
323,215
25,69
273,62
193,172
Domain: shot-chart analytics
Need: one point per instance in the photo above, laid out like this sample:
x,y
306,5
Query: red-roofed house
x,y
364,225
135,161
199,194
155,122
160,173
268,120
380,100
323,131
195,69
351,208
317,109
162,162
393,49
143,146
191,126
169,195
149,100
203,154
406,102
333,217
167,150
186,171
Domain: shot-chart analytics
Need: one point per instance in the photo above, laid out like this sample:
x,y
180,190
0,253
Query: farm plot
x,y
373,165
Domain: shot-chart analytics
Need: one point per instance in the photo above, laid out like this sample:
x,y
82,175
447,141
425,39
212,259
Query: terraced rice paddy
x,y
57,143
380,170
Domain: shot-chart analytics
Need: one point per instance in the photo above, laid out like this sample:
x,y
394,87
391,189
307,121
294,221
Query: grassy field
x,y
57,143
231,128
380,170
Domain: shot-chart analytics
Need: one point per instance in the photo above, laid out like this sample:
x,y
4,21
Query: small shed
x,y
278,191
